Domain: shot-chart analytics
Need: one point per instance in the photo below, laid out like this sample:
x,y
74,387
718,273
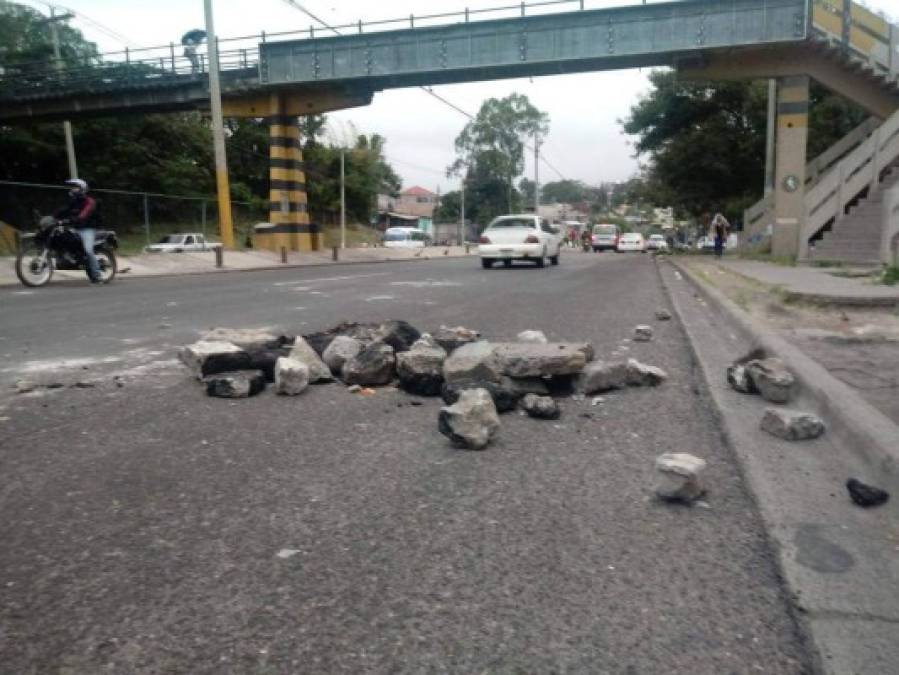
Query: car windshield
x,y
657,237
630,237
512,222
172,239
604,229
396,236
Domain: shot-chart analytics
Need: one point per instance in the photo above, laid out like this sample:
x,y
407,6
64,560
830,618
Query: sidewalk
x,y
173,264
818,285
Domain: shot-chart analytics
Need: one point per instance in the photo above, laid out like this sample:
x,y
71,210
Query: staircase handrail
x,y
858,171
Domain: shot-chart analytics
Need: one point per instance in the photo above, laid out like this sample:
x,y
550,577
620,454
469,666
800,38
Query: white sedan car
x,y
656,242
631,241
179,243
520,237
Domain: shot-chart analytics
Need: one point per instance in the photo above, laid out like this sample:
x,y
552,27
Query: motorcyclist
x,y
81,214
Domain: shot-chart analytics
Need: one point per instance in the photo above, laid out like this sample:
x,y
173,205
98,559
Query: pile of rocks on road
x,y
477,379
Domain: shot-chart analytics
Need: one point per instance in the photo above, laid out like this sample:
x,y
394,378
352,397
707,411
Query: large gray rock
x,y
453,338
374,365
504,393
239,384
318,370
679,477
474,361
291,377
642,375
536,337
663,314
400,335
539,360
772,379
364,332
526,385
600,376
471,422
541,407
341,349
248,339
420,369
209,357
792,425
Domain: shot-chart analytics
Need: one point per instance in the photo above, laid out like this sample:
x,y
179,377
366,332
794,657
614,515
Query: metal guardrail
x,y
889,245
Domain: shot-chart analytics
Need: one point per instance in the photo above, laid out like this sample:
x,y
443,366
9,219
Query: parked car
x,y
179,243
631,241
656,242
520,237
705,244
405,237
605,237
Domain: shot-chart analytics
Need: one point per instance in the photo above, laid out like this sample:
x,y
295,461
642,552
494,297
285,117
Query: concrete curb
x,y
266,268
872,435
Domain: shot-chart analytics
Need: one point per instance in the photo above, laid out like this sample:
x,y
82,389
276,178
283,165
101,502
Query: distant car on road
x,y
605,237
179,243
520,237
405,237
631,241
656,242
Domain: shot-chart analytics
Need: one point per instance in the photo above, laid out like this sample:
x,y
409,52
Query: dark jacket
x,y
81,212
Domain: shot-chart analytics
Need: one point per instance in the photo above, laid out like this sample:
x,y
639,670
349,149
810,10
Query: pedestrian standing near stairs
x,y
719,230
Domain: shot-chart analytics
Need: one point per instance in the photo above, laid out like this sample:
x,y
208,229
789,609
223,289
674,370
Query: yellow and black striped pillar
x,y
288,205
792,143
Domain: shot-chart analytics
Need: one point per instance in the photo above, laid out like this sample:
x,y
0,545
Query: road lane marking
x,y
348,277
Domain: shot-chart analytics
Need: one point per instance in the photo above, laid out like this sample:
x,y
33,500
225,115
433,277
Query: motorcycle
x,y
56,246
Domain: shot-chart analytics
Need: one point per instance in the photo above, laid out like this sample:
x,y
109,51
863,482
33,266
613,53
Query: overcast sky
x,y
585,141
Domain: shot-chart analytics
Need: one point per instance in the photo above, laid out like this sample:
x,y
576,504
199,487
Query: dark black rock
x,y
541,407
360,331
421,384
739,380
374,365
265,360
240,384
400,335
864,495
505,396
225,363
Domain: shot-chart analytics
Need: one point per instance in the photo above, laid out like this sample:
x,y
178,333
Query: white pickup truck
x,y
179,243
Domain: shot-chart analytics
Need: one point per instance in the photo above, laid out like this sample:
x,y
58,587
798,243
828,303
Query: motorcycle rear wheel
x,y
107,263
34,266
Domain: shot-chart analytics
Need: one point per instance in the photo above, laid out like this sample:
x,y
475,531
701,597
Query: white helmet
x,y
77,183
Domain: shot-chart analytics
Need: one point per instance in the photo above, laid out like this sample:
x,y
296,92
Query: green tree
x,y
564,192
450,209
490,153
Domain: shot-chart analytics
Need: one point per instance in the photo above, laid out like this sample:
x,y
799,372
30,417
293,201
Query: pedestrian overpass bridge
x,y
279,76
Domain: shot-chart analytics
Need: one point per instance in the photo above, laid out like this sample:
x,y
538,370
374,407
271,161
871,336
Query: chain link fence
x,y
138,218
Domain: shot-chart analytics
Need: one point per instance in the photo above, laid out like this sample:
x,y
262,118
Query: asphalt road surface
x,y
142,521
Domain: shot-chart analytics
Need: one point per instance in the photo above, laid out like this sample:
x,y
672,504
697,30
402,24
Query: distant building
x,y
664,217
416,201
556,213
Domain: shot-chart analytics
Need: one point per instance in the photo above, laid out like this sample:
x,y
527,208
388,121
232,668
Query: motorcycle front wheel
x,y
34,266
107,263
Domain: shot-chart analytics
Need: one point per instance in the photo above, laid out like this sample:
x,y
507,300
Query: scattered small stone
x,y
291,376
239,384
472,421
642,375
772,379
285,553
597,400
453,338
663,315
679,477
54,385
354,388
416,403
864,495
792,425
374,365
643,333
83,385
587,415
602,376
541,407
208,357
341,349
739,380
25,386
536,337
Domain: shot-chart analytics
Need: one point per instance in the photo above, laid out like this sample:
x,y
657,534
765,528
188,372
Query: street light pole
x,y
226,227
536,174
342,199
66,125
462,215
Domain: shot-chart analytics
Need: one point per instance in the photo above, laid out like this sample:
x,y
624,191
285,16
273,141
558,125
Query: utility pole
x,y
226,227
536,174
66,125
462,214
342,200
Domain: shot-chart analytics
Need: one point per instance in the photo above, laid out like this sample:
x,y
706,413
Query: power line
x,y
108,32
428,90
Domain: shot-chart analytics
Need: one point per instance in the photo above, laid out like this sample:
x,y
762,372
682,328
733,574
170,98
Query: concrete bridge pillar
x,y
792,144
288,204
